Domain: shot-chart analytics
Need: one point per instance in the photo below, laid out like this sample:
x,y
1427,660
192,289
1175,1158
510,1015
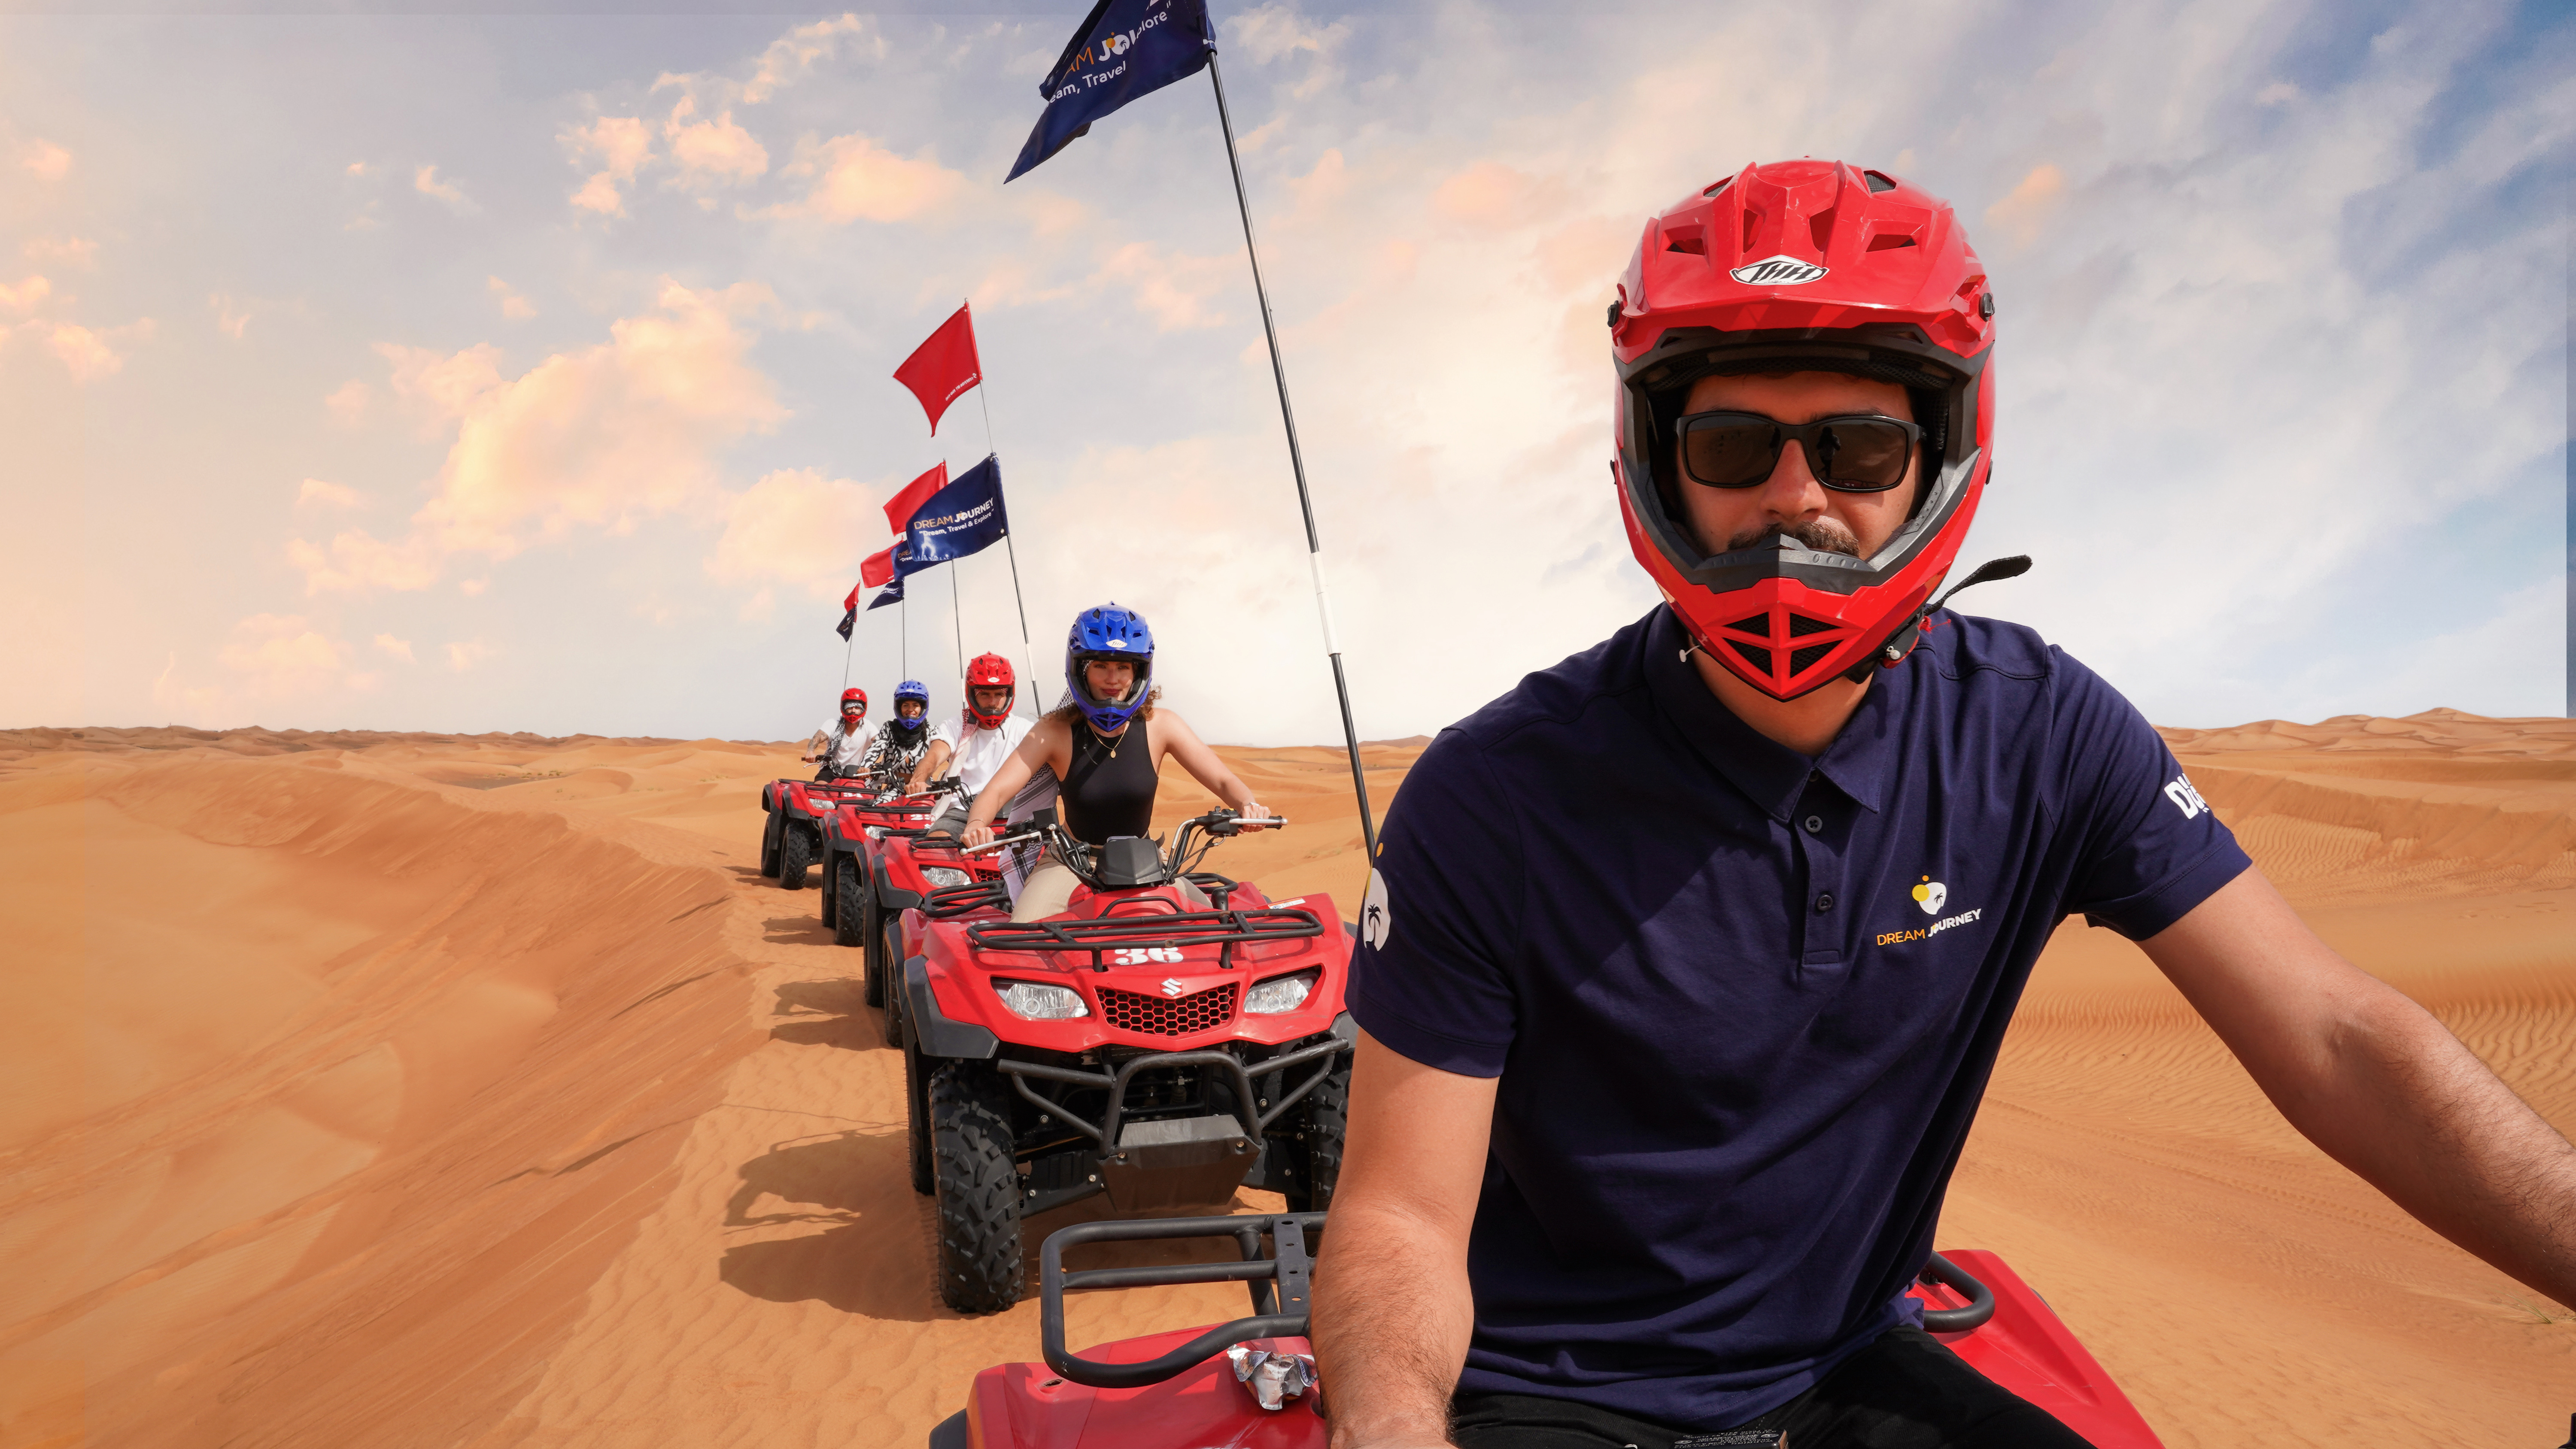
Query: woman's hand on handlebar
x,y
1251,811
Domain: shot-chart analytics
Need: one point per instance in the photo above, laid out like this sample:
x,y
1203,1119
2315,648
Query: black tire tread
x,y
1327,1120
795,854
917,1119
890,997
872,963
981,1269
848,891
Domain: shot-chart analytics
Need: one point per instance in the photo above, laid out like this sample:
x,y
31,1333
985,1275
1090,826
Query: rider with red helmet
x,y
978,740
841,746
1683,964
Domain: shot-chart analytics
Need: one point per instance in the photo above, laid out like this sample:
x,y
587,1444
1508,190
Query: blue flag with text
x,y
965,517
1125,49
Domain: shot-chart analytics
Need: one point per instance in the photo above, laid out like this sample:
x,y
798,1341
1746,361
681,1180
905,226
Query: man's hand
x,y
1393,1312
2371,1078
977,835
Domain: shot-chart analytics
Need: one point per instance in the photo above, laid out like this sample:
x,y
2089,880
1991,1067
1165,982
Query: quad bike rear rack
x,y
1279,1288
1220,928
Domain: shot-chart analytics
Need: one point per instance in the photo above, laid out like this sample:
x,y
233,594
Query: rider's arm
x,y
1392,1311
1035,753
932,760
2372,1079
1183,744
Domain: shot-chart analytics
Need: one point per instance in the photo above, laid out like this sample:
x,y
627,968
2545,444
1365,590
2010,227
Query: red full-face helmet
x,y
1804,266
854,699
989,671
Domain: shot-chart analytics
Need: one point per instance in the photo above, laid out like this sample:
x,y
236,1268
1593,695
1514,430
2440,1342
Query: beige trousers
x,y
1049,889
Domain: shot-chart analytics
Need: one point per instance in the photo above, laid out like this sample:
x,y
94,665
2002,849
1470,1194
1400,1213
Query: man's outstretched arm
x,y
2370,1077
1392,1310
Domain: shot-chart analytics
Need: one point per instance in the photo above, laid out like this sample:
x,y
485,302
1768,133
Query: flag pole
x,y
1296,463
983,387
957,618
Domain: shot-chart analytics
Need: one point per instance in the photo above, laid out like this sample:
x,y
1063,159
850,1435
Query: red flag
x,y
901,508
941,369
875,571
852,602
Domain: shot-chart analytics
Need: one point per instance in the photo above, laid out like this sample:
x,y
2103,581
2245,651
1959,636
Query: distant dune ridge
x,y
383,1089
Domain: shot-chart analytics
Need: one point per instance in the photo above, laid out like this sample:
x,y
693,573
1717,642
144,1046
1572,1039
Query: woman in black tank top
x,y
1105,746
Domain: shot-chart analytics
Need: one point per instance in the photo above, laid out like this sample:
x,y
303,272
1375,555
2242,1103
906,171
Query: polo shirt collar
x,y
1769,773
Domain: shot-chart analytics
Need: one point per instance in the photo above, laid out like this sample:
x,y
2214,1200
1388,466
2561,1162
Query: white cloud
x,y
398,648
792,55
231,320
357,169
85,354
599,438
467,653
855,179
27,296
799,528
45,160
712,153
1270,33
623,144
348,402
513,306
70,251
331,495
1172,289
277,655
426,182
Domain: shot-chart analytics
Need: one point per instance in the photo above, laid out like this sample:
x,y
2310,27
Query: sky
x,y
471,372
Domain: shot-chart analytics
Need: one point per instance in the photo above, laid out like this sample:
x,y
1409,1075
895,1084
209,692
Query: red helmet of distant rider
x,y
987,672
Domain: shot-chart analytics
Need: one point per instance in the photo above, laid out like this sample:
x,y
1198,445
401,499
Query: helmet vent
x,y
1877,182
1685,239
1758,624
1801,626
1889,243
1805,659
1821,227
1750,221
1759,658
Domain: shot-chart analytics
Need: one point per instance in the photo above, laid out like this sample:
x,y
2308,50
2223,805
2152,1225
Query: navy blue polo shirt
x,y
1743,1003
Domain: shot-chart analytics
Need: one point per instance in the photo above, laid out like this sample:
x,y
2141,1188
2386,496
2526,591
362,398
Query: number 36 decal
x,y
1145,955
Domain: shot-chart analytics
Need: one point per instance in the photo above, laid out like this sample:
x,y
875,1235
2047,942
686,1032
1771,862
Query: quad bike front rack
x,y
1278,1284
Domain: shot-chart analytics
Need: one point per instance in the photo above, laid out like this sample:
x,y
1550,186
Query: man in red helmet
x,y
839,746
1666,1058
977,741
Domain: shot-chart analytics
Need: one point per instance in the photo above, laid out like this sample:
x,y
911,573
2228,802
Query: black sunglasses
x,y
1857,453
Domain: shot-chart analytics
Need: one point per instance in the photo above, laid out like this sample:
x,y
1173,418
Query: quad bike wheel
x,y
873,969
978,1192
890,964
1327,1117
795,854
847,915
917,1119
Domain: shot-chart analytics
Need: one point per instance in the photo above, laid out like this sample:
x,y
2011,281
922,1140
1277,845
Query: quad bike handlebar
x,y
1122,863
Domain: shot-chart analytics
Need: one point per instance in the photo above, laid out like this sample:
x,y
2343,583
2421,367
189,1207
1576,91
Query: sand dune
x,y
437,1090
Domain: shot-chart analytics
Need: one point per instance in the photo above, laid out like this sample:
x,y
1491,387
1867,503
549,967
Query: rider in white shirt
x,y
839,747
977,742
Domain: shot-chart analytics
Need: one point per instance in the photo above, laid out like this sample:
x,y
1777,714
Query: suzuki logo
x,y
1780,271
1172,986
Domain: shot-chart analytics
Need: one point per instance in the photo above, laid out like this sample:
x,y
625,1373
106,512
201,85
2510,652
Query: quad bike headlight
x,y
1280,994
1030,1001
945,876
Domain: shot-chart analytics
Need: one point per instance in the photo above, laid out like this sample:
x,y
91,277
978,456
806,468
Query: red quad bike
x,y
1139,1044
1250,1384
845,857
911,868
791,840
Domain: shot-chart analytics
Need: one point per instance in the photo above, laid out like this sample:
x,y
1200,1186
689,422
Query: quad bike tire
x,y
1327,1122
848,917
916,1096
873,970
889,998
981,1269
795,855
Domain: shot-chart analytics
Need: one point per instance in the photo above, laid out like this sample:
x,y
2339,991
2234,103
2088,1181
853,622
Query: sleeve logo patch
x,y
1376,924
2185,799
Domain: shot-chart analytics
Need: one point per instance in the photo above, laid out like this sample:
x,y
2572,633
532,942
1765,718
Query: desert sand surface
x,y
377,1090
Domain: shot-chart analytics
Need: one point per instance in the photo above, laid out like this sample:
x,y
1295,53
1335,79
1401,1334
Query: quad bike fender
x,y
932,1029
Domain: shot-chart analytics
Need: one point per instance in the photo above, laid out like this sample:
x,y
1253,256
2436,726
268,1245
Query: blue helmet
x,y
1112,633
908,732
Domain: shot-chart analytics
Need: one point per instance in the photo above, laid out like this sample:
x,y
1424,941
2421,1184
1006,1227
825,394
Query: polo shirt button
x,y
1814,823
1824,903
